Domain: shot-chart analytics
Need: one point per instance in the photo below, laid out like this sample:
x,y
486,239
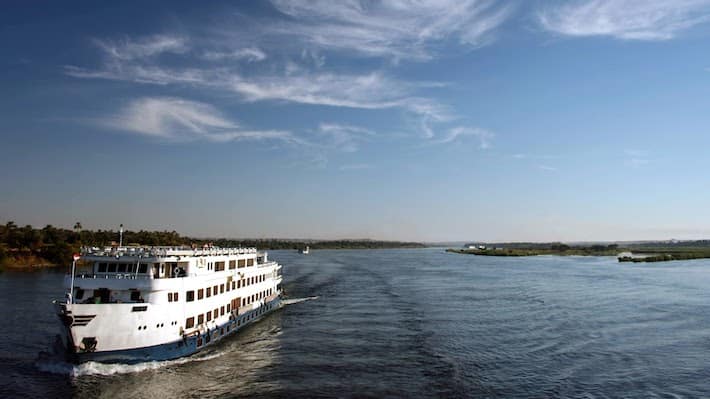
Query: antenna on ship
x,y
70,295
120,236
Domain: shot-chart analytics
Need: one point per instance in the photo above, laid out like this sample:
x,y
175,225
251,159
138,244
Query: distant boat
x,y
305,251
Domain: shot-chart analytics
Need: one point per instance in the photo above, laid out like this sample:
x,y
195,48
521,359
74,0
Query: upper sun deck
x,y
161,252
146,262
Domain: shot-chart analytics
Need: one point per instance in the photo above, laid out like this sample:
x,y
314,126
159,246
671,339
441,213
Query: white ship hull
x,y
159,313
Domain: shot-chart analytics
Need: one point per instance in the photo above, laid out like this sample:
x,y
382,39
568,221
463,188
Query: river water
x,y
411,323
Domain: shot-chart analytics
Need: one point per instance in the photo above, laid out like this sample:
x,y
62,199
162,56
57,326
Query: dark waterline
x,y
412,323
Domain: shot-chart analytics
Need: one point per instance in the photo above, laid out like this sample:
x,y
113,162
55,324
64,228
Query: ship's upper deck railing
x,y
162,251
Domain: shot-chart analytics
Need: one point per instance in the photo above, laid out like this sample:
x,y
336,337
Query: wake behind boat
x,y
158,303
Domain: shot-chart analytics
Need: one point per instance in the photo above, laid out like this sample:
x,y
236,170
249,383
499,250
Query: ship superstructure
x,y
158,303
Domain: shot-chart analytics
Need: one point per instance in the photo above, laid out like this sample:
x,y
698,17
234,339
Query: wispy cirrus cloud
x,y
344,137
636,158
149,46
356,166
547,168
484,136
402,29
249,54
373,90
178,120
627,19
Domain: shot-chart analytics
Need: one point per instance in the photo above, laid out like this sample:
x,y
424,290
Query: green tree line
x,y
55,245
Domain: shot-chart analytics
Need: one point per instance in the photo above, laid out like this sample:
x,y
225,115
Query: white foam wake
x,y
291,301
55,366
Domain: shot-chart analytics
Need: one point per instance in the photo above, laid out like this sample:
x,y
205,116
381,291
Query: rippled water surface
x,y
412,323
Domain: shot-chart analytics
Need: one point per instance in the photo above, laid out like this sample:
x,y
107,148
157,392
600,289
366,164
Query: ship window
x,y
102,267
218,266
112,268
241,263
221,288
228,286
250,262
233,284
229,307
170,296
175,297
200,319
135,295
209,292
216,313
190,296
221,311
209,316
200,293
79,293
214,290
122,267
190,322
239,284
232,264
143,268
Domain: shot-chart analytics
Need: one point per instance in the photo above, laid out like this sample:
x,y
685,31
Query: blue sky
x,y
429,121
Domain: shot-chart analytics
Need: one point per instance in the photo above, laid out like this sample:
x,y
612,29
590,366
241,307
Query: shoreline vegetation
x,y
652,251
23,248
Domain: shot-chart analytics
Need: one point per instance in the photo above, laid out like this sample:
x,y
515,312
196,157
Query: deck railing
x,y
146,252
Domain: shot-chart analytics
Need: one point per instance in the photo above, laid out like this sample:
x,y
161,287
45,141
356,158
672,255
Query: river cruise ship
x,y
158,303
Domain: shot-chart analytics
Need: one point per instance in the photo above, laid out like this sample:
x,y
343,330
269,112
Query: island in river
x,y
650,251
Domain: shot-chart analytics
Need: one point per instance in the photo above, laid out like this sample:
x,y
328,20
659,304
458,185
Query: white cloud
x,y
547,168
150,74
175,119
636,158
356,166
370,91
249,54
130,49
394,29
399,28
625,19
484,136
344,137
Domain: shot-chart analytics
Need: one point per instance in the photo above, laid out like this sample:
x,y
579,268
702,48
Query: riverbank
x,y
585,251
636,254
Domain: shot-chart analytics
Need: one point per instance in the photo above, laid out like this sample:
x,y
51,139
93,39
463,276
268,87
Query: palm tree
x,y
77,226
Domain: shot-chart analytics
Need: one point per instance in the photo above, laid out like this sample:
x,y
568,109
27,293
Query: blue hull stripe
x,y
182,347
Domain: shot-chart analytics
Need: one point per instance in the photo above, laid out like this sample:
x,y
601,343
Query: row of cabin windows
x,y
234,305
257,296
251,280
233,264
214,314
122,268
209,291
173,297
104,295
